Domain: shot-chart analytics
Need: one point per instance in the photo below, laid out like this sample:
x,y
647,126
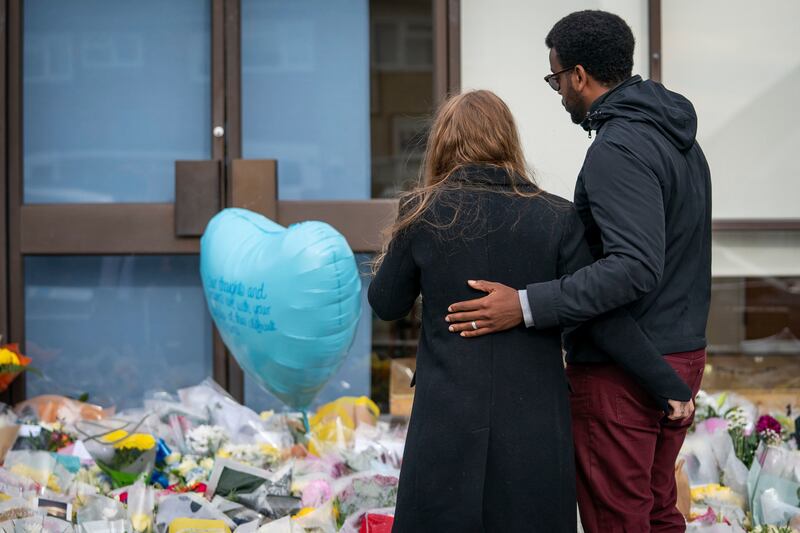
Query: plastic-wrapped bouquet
x,y
205,440
124,457
364,492
12,364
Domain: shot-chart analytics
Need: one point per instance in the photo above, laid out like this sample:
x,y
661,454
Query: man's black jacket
x,y
644,196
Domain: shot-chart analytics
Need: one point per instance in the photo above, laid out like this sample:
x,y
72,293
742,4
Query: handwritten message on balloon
x,y
239,305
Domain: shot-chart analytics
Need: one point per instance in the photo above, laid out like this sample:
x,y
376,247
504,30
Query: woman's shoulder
x,y
552,203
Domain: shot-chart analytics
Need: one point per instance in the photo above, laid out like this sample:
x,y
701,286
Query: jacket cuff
x,y
543,299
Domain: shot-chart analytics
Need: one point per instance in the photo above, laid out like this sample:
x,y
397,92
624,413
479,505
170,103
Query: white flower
x,y
207,464
205,440
188,464
173,458
736,419
251,454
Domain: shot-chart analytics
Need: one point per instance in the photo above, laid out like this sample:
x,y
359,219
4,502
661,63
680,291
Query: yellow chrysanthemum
x,y
137,441
7,357
304,511
115,436
716,492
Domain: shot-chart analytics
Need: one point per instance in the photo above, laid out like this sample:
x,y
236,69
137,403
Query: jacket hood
x,y
647,101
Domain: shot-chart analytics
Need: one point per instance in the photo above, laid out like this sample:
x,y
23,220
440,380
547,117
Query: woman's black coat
x,y
489,446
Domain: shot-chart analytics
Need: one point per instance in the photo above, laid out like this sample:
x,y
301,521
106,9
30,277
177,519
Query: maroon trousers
x,y
625,448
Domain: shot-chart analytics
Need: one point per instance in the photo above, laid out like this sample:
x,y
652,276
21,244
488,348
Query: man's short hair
x,y
600,41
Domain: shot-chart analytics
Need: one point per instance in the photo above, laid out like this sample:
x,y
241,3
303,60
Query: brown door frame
x,y
4,326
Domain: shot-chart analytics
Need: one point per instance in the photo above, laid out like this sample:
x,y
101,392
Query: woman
x,y
489,444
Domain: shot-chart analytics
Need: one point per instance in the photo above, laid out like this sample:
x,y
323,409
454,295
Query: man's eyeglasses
x,y
552,79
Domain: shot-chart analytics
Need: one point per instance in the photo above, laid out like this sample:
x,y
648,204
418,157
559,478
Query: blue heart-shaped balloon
x,y
286,301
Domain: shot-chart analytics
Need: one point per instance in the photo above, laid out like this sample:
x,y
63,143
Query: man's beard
x,y
574,107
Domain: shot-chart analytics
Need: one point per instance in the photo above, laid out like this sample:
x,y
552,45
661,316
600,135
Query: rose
x,y
766,422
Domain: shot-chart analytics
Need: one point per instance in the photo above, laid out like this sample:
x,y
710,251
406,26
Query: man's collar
x,y
606,95
589,123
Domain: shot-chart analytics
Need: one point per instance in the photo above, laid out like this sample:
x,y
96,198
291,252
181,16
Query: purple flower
x,y
767,422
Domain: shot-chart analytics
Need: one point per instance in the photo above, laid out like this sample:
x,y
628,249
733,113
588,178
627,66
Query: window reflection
x,y
401,92
753,331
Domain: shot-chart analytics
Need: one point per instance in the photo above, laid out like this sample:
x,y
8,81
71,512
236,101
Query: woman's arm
x,y
616,333
395,287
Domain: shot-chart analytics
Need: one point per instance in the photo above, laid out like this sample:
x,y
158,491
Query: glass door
x,y
340,94
131,124
116,120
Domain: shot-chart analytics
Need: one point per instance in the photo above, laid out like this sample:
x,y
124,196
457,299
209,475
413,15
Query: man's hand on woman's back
x,y
498,311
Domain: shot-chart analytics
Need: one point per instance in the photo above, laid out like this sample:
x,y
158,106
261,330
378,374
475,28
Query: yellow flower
x,y
304,511
7,357
52,483
140,522
39,476
138,441
223,453
115,436
270,451
715,492
207,464
173,458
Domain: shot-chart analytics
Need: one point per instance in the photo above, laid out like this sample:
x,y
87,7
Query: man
x,y
644,195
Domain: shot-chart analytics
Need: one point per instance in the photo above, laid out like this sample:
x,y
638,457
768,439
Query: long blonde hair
x,y
472,128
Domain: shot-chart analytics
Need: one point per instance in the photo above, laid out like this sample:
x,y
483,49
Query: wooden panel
x,y
454,46
217,78
102,229
16,288
5,396
254,186
440,42
198,195
233,138
771,306
361,222
757,225
654,31
4,183
220,357
446,48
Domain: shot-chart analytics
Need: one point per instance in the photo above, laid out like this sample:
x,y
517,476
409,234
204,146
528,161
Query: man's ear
x,y
580,78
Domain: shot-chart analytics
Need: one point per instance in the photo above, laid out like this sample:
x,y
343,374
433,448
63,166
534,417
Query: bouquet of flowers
x,y
12,364
365,491
124,457
42,436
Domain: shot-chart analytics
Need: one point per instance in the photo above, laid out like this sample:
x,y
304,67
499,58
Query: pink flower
x,y
712,425
316,493
767,422
709,517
